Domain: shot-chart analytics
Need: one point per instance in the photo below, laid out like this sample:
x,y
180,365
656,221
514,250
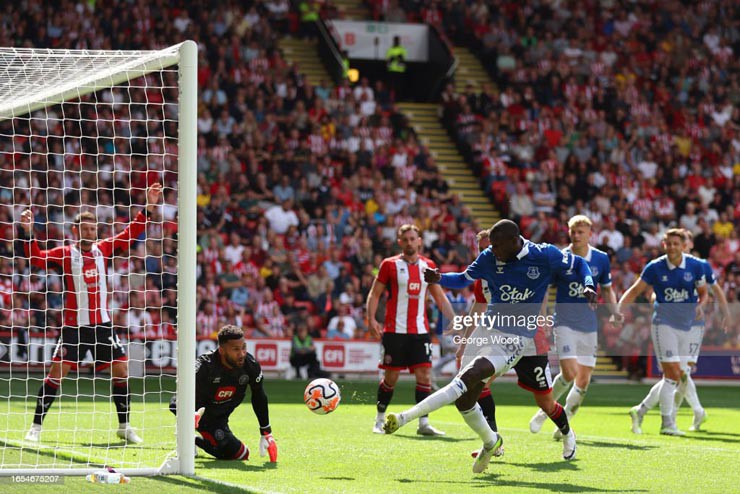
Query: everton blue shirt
x,y
675,290
518,287
571,306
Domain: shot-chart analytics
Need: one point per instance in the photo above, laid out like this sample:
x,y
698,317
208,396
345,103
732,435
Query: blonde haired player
x,y
576,325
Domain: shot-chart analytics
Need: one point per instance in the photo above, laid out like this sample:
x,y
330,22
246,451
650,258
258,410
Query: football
x,y
322,396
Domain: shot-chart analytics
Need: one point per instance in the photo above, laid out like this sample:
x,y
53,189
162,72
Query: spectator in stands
x,y
303,354
282,216
342,326
521,204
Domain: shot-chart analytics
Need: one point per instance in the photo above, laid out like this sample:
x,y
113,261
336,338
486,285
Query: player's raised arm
x,y
123,240
39,258
458,281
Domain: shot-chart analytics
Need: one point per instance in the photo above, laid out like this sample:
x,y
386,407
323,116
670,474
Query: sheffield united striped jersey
x,y
405,310
85,273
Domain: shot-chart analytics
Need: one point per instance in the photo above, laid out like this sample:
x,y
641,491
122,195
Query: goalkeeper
x,y
221,380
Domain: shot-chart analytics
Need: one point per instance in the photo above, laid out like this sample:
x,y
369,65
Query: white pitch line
x,y
36,447
76,457
229,484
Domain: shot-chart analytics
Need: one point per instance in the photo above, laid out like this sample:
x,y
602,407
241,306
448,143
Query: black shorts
x,y
219,442
534,374
405,351
101,340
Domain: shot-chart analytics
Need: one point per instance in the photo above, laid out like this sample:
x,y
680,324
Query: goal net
x,y
85,132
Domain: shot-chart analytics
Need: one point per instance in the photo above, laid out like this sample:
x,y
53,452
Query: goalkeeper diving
x,y
221,380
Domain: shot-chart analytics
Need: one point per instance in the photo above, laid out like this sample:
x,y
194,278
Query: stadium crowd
x,y
626,114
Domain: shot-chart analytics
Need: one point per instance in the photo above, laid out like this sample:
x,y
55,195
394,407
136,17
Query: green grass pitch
x,y
338,452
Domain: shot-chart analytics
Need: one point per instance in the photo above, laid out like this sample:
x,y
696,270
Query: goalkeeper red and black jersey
x,y
220,389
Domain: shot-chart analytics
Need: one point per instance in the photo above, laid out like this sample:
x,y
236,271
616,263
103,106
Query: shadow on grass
x,y
553,466
717,438
495,480
446,439
604,444
231,465
337,478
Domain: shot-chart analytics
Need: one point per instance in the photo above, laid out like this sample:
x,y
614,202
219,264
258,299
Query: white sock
x,y
477,421
679,396
691,397
652,398
573,400
423,421
559,386
438,399
380,417
666,401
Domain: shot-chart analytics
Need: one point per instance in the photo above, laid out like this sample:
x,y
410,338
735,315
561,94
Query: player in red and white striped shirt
x,y
87,322
406,342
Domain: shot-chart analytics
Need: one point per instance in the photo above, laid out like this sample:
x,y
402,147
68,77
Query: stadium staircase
x,y
605,367
469,70
305,53
424,119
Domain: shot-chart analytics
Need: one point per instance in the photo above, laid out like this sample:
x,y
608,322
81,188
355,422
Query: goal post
x,y
78,91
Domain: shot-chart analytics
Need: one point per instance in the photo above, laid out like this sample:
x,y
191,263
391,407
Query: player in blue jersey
x,y
576,324
686,388
532,369
679,283
519,273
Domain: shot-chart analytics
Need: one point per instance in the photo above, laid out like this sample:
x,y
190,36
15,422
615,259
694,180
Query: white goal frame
x,y
17,100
